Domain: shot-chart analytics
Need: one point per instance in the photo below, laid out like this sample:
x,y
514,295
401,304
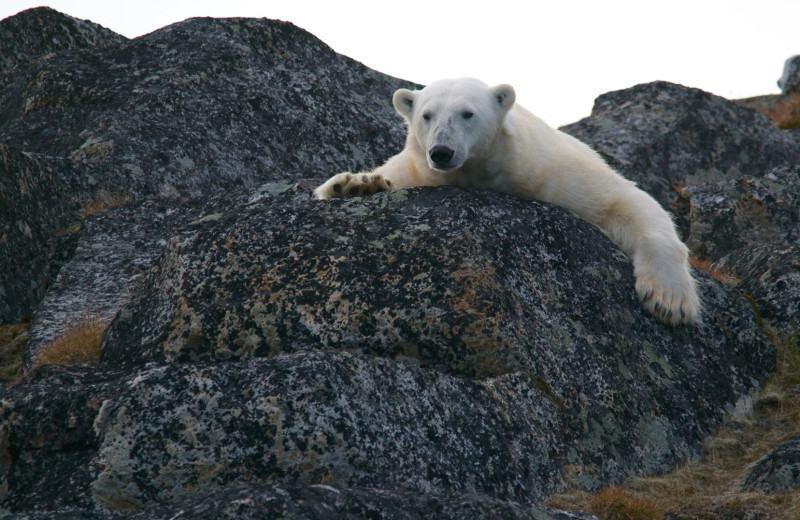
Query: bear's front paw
x,y
353,185
671,301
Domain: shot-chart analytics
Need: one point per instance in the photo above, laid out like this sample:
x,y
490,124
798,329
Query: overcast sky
x,y
559,55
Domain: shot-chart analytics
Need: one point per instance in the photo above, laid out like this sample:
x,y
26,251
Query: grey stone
x,y
196,108
769,274
779,471
719,218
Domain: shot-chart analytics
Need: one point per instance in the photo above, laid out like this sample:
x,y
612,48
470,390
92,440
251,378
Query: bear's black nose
x,y
441,155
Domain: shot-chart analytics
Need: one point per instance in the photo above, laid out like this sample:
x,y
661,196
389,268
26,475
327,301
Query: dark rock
x,y
790,79
778,471
48,438
432,286
718,218
195,108
36,211
666,137
40,32
770,275
322,502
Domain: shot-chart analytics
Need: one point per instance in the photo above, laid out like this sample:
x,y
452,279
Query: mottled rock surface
x,y
666,137
42,32
778,471
769,274
196,108
718,218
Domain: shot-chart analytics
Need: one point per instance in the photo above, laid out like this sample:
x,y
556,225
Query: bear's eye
x,y
426,116
466,114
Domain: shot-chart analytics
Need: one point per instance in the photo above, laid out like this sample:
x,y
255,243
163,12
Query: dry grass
x,y
78,345
710,488
615,503
723,275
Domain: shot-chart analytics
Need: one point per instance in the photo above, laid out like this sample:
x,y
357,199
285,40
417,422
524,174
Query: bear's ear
x,y
404,102
505,95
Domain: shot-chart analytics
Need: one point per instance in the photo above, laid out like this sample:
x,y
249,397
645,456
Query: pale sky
x,y
559,55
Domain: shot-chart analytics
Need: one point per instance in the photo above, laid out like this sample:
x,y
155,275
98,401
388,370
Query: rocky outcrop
x,y
720,217
778,471
666,137
196,108
424,353
40,33
770,275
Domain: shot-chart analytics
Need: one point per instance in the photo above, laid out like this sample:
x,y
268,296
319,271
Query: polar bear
x,y
464,133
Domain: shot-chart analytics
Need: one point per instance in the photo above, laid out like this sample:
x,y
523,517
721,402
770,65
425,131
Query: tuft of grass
x,y
80,344
711,487
724,275
614,503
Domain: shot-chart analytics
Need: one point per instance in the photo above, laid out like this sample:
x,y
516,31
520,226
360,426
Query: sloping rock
x,y
192,109
718,218
40,32
778,471
53,423
113,251
666,136
202,105
517,317
36,212
770,274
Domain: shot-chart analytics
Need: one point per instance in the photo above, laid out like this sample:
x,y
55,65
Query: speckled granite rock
x,y
770,274
195,108
35,215
778,471
437,342
40,32
666,136
718,218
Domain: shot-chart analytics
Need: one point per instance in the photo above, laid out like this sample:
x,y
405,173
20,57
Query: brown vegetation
x,y
78,345
710,488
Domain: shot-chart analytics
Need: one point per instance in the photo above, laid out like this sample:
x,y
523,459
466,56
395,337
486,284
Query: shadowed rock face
x,y
426,353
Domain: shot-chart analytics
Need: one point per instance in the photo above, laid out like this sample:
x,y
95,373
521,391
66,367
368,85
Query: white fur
x,y
462,132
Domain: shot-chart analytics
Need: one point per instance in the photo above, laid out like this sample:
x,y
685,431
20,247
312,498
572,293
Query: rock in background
x,y
436,353
193,109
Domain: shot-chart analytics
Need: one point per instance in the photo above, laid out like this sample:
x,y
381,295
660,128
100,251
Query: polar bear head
x,y
455,120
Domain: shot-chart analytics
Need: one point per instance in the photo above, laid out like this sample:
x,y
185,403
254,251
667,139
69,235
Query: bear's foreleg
x,y
646,233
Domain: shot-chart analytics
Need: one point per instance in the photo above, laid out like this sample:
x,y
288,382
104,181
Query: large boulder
x,y
431,342
193,109
41,32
